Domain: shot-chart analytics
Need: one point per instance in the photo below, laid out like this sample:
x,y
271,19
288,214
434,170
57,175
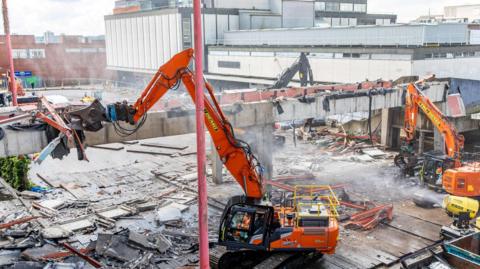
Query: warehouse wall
x,y
391,35
243,4
466,68
142,43
328,70
344,70
298,13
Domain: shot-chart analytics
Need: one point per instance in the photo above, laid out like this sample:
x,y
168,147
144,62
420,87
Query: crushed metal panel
x,y
466,248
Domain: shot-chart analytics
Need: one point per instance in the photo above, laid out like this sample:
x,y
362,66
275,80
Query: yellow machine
x,y
462,210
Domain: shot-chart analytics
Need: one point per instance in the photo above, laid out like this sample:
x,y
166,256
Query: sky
x,y
85,17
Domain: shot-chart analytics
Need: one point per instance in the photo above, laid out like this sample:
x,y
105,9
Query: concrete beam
x,y
245,115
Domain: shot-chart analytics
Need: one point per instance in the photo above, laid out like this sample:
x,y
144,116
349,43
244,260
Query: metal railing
x,y
320,197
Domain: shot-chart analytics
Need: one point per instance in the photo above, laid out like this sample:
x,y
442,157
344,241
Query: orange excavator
x,y
439,170
251,229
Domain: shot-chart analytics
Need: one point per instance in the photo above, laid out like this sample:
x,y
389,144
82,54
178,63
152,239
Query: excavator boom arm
x,y
235,154
302,66
415,99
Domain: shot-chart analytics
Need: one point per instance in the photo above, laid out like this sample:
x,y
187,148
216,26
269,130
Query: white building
x,y
139,42
255,65
471,12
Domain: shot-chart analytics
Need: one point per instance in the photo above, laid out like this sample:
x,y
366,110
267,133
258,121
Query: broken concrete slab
x,y
35,254
113,146
8,257
139,240
162,145
162,243
15,233
52,204
115,212
374,152
31,195
180,207
150,151
77,224
55,232
362,158
146,206
168,213
28,265
118,248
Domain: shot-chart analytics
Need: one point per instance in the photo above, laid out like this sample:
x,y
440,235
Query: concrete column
x,y
386,127
438,141
217,165
260,139
421,143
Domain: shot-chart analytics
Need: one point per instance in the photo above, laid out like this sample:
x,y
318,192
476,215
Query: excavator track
x,y
221,258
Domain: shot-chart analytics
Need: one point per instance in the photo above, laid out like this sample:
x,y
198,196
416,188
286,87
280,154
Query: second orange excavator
x,y
446,171
251,229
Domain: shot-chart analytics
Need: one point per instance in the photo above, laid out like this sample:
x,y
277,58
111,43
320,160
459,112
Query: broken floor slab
x,y
77,224
35,254
116,212
52,204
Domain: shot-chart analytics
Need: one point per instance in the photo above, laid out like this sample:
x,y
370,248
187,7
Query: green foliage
x,y
15,172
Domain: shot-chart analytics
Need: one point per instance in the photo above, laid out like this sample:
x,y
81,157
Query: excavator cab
x,y
434,166
245,225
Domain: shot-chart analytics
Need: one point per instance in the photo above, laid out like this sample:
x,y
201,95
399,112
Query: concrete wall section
x,y
241,116
345,70
22,142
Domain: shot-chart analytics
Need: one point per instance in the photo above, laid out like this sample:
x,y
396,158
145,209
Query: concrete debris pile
x,y
340,144
126,217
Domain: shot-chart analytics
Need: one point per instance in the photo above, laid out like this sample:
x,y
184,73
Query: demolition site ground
x,y
134,205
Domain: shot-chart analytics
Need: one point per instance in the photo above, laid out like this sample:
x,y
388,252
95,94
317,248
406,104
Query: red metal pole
x,y
201,155
6,27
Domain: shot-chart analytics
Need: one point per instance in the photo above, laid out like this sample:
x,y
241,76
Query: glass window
x,y
288,54
346,7
20,53
229,64
263,53
329,6
352,21
319,6
335,21
320,21
239,53
37,53
344,21
360,7
321,55
218,52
